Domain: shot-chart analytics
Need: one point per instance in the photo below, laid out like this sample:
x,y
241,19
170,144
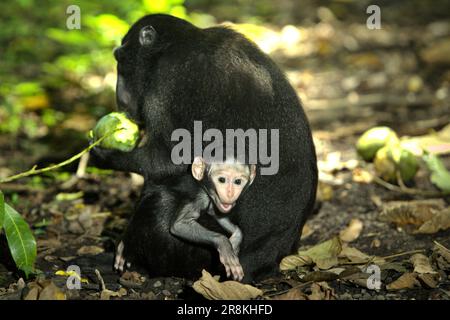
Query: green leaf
x,y
2,209
21,241
440,176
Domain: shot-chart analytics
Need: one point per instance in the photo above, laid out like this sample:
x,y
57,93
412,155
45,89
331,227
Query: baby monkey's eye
x,y
238,182
222,180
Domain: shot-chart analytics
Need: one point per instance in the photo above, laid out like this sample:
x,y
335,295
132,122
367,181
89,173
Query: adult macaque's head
x,y
146,60
224,181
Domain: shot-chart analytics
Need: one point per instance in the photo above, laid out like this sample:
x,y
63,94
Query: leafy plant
x,y
440,176
21,241
2,209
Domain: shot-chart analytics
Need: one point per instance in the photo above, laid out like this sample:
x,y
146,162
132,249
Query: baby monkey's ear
x,y
252,173
198,168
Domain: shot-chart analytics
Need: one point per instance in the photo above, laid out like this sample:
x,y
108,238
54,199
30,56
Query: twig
x,y
34,171
15,187
81,170
287,290
400,180
403,254
410,191
440,245
100,278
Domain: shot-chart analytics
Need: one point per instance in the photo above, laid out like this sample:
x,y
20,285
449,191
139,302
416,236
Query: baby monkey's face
x,y
224,181
229,180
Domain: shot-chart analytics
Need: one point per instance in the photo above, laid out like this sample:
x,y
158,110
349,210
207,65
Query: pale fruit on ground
x,y
373,140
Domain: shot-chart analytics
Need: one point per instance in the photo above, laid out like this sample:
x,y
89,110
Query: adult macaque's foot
x,y
119,262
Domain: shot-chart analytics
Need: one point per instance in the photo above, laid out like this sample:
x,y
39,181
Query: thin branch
x,y
100,279
300,286
410,191
403,254
440,245
34,171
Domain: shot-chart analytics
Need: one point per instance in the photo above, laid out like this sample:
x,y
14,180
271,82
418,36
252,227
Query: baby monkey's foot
x,y
231,263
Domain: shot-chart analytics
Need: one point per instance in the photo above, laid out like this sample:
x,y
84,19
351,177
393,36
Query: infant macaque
x,y
221,186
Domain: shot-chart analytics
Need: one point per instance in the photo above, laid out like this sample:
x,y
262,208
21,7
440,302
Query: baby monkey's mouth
x,y
225,207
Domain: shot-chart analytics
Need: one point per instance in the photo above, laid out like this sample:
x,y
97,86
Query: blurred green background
x,y
55,82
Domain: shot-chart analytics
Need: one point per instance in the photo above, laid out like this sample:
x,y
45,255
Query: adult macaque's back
x,y
171,73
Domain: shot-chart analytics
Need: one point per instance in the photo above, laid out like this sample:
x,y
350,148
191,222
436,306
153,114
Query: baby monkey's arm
x,y
186,227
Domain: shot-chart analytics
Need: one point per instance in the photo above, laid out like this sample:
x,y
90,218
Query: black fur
x,y
219,77
148,241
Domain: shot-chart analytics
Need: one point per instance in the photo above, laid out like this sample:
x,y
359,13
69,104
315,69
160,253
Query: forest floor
x,y
349,79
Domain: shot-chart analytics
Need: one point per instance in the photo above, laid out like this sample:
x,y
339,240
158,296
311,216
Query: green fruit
x,y
124,139
392,159
373,140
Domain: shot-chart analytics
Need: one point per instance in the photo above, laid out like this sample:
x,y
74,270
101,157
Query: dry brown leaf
x,y
421,264
406,281
292,294
43,289
67,259
321,291
411,212
350,272
430,280
52,292
439,221
306,231
360,280
318,276
33,294
90,250
397,266
352,231
293,261
48,244
211,289
324,254
353,255
107,294
429,216
326,263
337,270
356,276
376,243
441,256
443,251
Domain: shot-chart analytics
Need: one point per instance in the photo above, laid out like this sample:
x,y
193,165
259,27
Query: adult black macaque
x,y
171,73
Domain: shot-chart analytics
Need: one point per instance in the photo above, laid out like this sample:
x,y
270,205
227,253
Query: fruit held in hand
x,y
392,159
124,139
373,140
